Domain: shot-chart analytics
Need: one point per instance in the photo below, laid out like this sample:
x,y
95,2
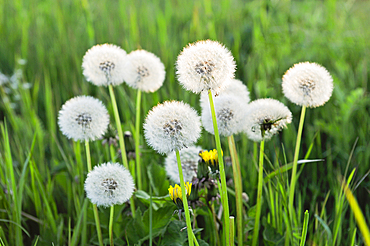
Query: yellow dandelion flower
x,y
210,157
176,193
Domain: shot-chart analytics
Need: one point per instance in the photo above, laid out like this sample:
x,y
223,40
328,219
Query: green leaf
x,y
158,179
174,235
271,235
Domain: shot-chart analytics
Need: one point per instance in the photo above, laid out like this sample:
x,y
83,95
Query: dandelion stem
x,y
95,208
232,230
259,195
137,139
150,216
121,140
185,200
238,188
223,194
111,225
295,162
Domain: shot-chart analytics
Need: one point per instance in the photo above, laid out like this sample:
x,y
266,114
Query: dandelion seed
x,y
171,126
144,71
83,118
229,114
189,162
109,184
205,65
307,84
265,118
104,65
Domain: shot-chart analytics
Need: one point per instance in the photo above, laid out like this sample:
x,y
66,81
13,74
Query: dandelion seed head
x,y
83,118
104,64
205,65
229,114
308,84
265,118
109,184
189,162
144,71
171,126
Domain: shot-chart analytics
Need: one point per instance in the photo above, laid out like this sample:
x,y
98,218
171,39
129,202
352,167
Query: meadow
x,y
42,173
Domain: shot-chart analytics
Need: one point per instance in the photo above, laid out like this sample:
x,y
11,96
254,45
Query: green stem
x,y
184,200
111,225
232,230
95,208
195,239
121,140
223,194
238,188
305,228
259,195
150,217
137,140
295,162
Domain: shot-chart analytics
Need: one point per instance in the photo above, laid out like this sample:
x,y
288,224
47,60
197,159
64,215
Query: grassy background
x,y
265,37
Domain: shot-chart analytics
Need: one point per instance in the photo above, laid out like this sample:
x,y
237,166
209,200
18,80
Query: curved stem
x,y
238,188
137,139
259,195
185,200
121,140
295,162
111,225
223,194
95,208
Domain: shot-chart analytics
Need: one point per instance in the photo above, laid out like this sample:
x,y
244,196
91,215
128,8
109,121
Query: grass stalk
x,y
95,208
259,195
238,188
305,228
232,230
121,140
12,188
223,194
359,216
185,200
137,140
111,225
295,162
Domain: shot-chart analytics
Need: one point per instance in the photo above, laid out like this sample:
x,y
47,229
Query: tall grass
x,y
42,173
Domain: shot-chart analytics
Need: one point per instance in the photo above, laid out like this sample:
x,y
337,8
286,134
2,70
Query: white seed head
x,y
83,118
104,64
308,84
205,65
266,115
109,184
229,114
144,71
189,163
171,126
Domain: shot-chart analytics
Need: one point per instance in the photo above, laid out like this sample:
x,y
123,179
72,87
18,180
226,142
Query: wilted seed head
x,y
109,184
144,71
229,114
266,117
205,65
189,162
171,126
307,84
104,65
83,118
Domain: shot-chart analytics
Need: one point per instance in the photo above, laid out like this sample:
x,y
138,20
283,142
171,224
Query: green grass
x,y
46,171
